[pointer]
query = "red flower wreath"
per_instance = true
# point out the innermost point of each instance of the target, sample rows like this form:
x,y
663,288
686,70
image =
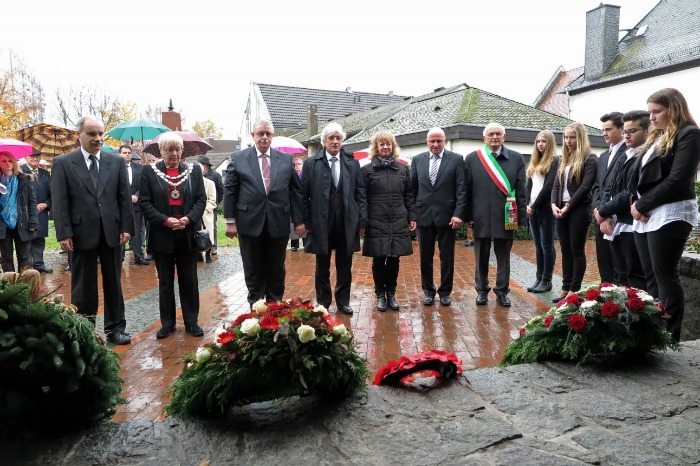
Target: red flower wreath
x,y
441,364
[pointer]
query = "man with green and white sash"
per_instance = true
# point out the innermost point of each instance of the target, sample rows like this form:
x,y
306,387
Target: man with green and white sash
x,y
495,179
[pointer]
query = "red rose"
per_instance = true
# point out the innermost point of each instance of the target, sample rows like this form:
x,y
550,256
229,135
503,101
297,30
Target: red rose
x,y
635,305
578,323
560,303
523,331
548,321
239,320
226,337
592,295
605,284
609,309
574,299
631,293
270,323
661,306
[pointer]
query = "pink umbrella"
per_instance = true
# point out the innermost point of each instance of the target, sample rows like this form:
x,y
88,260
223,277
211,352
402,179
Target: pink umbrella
x,y
192,145
288,145
18,149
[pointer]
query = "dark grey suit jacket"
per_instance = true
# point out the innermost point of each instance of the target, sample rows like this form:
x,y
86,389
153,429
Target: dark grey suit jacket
x,y
438,204
42,191
245,199
79,207
604,175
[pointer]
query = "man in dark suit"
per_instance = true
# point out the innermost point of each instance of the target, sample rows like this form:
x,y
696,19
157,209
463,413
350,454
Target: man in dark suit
x,y
93,218
437,178
133,171
612,133
211,174
496,207
262,193
335,215
41,184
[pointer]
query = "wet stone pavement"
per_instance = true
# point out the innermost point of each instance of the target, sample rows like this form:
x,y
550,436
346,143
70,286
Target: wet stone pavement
x,y
606,412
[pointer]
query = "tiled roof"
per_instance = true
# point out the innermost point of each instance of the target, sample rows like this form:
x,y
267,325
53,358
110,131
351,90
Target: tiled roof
x,y
288,105
457,105
671,39
551,99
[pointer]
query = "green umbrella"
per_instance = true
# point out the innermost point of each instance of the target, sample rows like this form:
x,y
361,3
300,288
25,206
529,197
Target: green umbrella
x,y
143,130
108,149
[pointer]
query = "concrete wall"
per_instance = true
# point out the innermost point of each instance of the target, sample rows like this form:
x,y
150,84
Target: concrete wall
x,y
690,276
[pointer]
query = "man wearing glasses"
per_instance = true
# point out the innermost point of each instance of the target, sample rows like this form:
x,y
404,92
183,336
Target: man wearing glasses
x,y
262,193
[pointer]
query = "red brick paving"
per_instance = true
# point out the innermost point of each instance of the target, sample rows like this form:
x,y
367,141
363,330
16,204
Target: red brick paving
x,y
477,335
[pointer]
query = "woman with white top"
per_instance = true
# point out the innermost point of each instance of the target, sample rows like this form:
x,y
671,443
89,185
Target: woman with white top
x,y
541,173
664,204
571,205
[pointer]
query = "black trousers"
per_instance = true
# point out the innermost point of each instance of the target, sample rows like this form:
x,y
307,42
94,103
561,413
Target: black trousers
x,y
263,265
604,257
628,267
185,261
660,252
8,245
573,231
385,272
482,253
343,269
426,245
84,293
38,245
137,240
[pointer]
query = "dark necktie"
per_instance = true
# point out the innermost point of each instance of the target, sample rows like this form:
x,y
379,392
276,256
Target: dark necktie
x,y
93,169
266,172
334,170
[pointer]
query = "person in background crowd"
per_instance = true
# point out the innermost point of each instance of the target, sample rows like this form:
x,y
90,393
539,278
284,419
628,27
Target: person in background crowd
x,y
151,159
93,216
391,215
293,237
134,175
437,181
136,159
262,193
613,212
541,173
664,204
173,200
495,208
335,215
18,215
612,127
571,204
209,214
213,175
41,184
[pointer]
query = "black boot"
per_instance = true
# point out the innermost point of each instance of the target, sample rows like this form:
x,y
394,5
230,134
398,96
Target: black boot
x,y
542,287
391,299
381,302
534,285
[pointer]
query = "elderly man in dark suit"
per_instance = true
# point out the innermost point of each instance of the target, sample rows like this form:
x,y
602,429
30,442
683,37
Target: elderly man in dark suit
x,y
335,215
437,179
133,171
605,177
41,184
496,207
262,193
93,218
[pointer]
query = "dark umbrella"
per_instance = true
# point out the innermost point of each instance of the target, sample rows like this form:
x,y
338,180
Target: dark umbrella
x,y
192,145
49,139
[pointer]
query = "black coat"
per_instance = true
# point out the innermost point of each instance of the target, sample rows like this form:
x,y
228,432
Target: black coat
x,y
543,200
615,200
26,211
316,183
580,191
155,204
42,192
390,208
605,175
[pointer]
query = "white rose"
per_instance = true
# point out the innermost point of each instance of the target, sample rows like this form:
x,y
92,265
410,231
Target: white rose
x,y
306,333
250,327
589,304
646,297
203,354
608,288
260,306
321,309
339,329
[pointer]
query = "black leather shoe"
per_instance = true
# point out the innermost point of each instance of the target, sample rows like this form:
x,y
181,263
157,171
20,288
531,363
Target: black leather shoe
x,y
482,299
119,338
194,330
347,310
392,302
534,285
503,300
445,301
43,269
164,332
542,287
141,261
381,302
207,257
428,300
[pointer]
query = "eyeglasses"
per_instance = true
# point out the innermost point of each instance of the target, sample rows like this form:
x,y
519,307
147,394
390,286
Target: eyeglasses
x,y
494,135
631,132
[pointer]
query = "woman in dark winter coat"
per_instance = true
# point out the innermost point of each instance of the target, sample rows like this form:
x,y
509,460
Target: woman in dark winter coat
x,y
391,212
19,219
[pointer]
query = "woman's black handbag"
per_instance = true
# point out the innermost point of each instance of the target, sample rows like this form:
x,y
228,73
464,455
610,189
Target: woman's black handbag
x,y
201,241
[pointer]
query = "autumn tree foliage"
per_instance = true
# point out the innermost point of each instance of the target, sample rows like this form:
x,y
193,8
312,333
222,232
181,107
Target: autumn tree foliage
x,y
207,129
16,111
